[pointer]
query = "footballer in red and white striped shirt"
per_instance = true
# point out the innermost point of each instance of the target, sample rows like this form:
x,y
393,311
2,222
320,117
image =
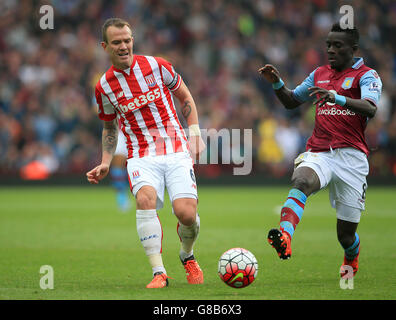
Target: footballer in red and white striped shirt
x,y
136,95
140,96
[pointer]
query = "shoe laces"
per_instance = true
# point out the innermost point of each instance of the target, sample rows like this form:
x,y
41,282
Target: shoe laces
x,y
192,266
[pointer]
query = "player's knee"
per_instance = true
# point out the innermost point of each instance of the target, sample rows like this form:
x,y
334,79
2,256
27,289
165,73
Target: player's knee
x,y
145,203
187,220
303,184
185,210
146,199
306,180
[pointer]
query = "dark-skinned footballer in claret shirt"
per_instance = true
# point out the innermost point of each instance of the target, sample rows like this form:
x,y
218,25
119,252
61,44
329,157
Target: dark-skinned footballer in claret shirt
x,y
345,93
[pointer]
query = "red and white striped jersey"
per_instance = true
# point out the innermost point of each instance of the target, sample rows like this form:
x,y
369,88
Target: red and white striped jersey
x,y
140,97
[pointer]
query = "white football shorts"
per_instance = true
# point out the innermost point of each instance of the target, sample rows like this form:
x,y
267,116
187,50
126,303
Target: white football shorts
x,y
121,148
344,171
174,171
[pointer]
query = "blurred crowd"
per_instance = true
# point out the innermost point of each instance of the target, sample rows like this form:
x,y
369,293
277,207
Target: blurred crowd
x,y
48,115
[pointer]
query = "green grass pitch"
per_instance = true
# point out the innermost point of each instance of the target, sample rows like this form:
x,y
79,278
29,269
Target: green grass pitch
x,y
95,252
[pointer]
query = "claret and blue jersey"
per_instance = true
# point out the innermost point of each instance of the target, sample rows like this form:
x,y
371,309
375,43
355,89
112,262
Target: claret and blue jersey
x,y
337,126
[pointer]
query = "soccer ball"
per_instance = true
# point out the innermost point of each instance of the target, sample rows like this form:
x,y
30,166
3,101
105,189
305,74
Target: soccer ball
x,y
238,267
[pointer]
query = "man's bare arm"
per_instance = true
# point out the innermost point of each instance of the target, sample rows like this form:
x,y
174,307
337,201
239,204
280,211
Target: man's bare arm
x,y
284,94
109,144
109,140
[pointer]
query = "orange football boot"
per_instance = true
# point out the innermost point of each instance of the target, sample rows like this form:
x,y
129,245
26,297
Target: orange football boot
x,y
353,263
160,280
281,242
193,271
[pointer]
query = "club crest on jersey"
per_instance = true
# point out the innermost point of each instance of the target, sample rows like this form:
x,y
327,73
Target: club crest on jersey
x,y
347,84
135,174
150,80
120,94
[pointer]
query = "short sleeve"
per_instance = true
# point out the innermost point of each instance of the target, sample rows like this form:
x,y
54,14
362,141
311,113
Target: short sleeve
x,y
301,92
106,110
170,77
370,87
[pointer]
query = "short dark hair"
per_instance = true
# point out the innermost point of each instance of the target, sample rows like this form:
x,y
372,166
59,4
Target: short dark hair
x,y
116,22
352,33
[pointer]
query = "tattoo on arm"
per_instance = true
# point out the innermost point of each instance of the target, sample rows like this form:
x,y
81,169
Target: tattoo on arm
x,y
186,109
110,137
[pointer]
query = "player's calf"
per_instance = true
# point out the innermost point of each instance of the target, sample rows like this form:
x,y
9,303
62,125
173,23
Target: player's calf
x,y
351,257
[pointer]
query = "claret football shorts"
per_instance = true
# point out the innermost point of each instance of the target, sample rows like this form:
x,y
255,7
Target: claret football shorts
x,y
344,171
173,171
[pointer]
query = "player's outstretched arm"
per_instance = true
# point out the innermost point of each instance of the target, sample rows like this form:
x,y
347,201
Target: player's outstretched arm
x,y
109,144
285,95
190,113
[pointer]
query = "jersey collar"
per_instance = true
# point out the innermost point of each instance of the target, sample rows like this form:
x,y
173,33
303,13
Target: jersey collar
x,y
358,62
127,70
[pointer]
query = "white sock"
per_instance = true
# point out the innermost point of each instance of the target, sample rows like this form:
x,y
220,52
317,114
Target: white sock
x,y
150,234
188,235
156,263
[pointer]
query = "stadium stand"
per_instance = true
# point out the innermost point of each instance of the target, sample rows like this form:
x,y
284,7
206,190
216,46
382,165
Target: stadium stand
x,y
47,77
